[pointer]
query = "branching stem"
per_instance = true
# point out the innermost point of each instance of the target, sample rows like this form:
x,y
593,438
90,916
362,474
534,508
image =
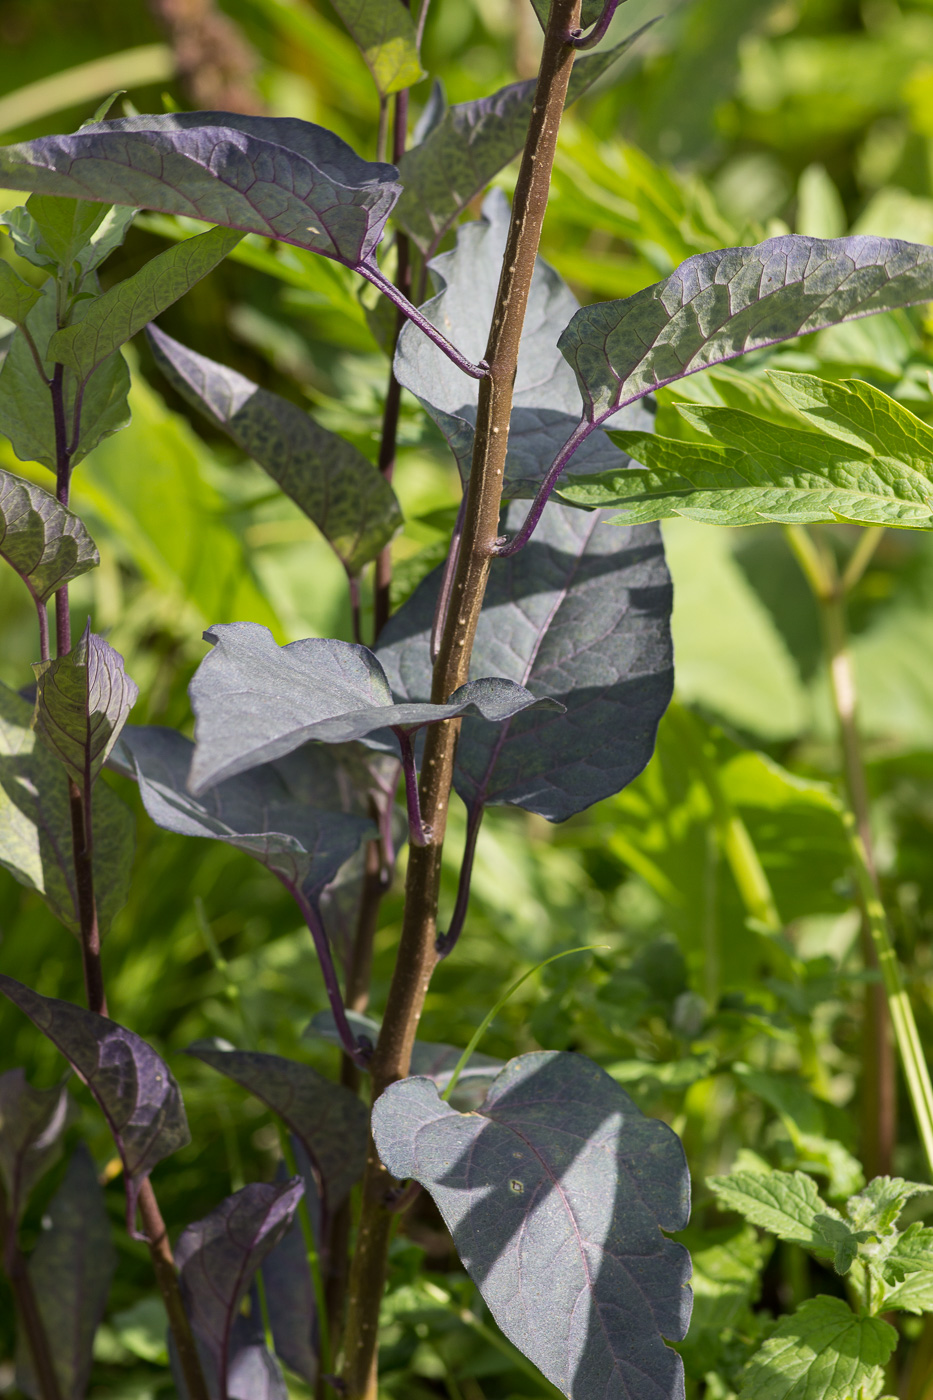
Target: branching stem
x,y
377,277
312,918
598,32
504,546
419,832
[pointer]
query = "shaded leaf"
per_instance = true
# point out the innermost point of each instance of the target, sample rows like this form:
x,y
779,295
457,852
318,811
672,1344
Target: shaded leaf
x,y
909,1266
35,823
823,1352
471,143
32,1122
558,1165
256,701
70,1271
290,1300
117,315
47,231
289,816
17,298
385,33
581,614
274,176
331,1123
82,701
350,502
133,1086
590,11
546,405
719,305
41,539
217,1259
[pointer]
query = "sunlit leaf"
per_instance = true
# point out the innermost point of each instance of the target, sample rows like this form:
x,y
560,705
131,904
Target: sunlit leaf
x,y
822,1352
385,33
82,701
909,1267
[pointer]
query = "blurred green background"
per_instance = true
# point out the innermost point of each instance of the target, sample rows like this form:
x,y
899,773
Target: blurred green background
x,y
728,122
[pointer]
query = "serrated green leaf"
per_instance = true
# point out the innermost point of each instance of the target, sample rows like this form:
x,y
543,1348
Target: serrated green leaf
x,y
789,1205
909,1266
17,298
82,701
43,541
877,1206
35,823
115,317
384,31
823,1352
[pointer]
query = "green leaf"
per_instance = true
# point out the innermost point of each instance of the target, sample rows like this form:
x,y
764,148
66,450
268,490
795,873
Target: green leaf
x,y
789,1205
879,1204
385,33
727,1267
823,1352
82,701
35,823
37,235
589,14
909,1265
64,226
43,541
17,298
115,317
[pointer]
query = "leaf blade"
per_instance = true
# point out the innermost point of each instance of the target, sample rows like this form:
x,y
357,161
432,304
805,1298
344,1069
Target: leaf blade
x,y
823,1352
43,541
82,701
384,31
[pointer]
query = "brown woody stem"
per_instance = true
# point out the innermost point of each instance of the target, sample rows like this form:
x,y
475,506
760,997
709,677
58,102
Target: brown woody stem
x,y
417,955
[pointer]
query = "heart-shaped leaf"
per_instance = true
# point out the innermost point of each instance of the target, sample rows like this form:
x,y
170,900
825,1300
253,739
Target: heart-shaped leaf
x,y
331,1123
43,541
546,405
350,502
579,614
117,315
717,306
559,1165
17,298
217,1259
32,1123
133,1086
256,701
70,1271
35,823
274,176
471,143
287,815
385,33
82,701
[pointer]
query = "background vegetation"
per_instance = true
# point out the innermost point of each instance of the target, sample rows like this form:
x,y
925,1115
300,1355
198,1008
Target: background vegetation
x,y
728,123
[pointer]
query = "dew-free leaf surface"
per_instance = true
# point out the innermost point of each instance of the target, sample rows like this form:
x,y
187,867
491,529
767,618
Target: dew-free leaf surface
x,y
41,539
32,1122
909,1266
789,1205
556,1191
17,298
822,1352
350,502
385,34
82,701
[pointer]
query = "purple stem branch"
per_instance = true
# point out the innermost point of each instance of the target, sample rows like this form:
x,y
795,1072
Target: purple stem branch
x,y
312,918
505,546
579,40
446,942
419,833
353,587
374,275
447,582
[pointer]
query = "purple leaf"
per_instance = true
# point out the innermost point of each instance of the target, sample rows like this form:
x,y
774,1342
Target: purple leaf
x,y
40,539
256,701
70,1270
350,502
253,1373
583,614
133,1086
330,1122
82,701
290,1301
32,1123
217,1259
717,306
274,176
287,815
556,1192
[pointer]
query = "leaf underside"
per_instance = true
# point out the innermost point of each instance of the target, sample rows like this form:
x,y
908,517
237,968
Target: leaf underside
x,y
41,539
32,1122
82,701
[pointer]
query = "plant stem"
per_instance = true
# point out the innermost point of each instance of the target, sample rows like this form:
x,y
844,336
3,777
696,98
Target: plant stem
x,y
62,486
82,842
598,32
322,947
163,1264
27,1307
504,547
417,954
446,942
418,830
374,274
447,582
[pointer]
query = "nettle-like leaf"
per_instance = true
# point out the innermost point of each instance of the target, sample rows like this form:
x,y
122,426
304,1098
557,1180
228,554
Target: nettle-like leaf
x,y
66,232
879,1204
17,298
582,614
824,1351
331,1123
385,33
43,541
32,1124
717,306
274,176
256,701
350,502
908,1266
556,1191
70,1270
868,461
133,1086
35,823
546,405
217,1259
789,1205
290,816
471,143
82,701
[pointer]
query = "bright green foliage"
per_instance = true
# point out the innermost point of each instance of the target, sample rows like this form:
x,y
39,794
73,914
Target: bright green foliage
x,y
73,234
17,298
909,1267
823,1352
385,33
789,1206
